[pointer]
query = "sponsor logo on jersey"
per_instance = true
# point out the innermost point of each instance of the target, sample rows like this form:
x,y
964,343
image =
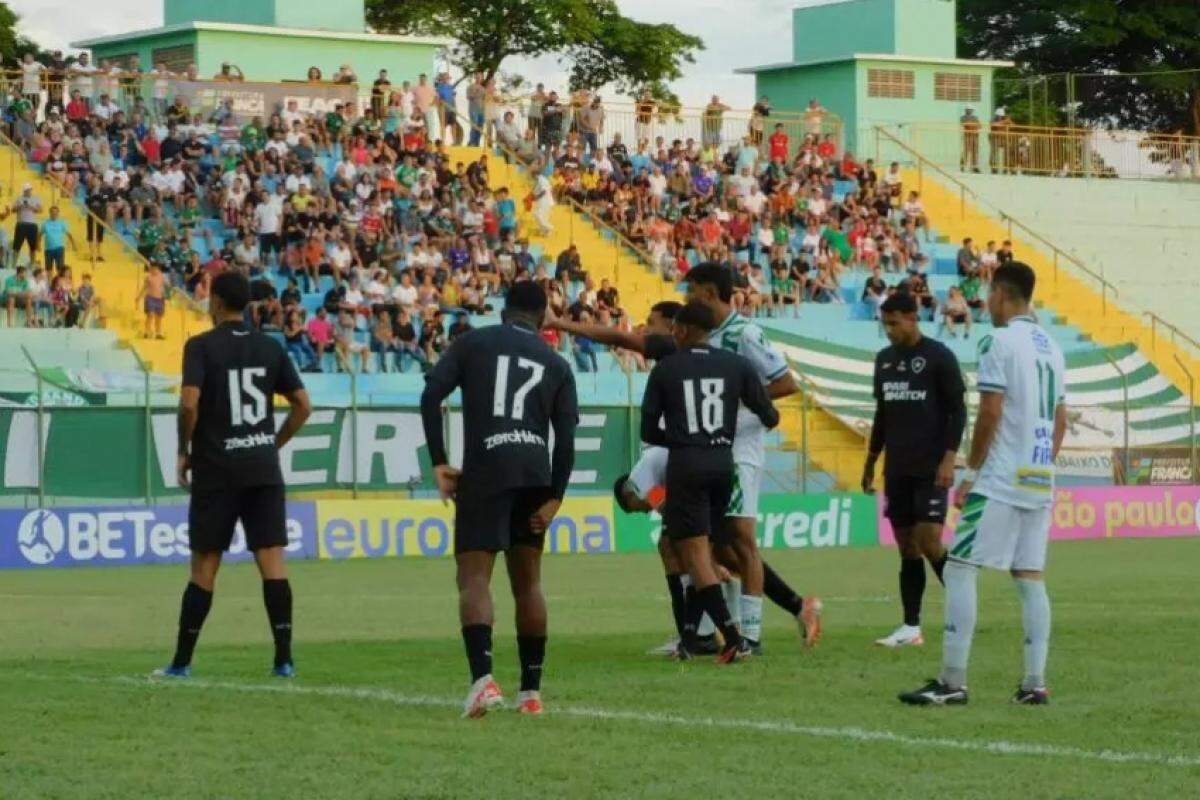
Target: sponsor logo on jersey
x,y
985,344
1035,480
513,437
899,391
249,442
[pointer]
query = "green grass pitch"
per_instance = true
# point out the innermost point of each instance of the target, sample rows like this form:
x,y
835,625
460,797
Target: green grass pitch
x,y
374,713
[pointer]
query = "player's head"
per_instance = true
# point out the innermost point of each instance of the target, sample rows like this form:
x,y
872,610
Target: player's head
x,y
693,324
627,497
710,283
526,302
1011,292
230,296
662,317
899,314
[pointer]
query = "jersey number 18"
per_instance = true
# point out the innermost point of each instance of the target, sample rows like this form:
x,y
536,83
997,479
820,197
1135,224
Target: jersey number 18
x,y
712,409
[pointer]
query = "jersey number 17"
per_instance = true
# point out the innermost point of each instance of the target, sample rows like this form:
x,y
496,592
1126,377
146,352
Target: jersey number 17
x,y
500,405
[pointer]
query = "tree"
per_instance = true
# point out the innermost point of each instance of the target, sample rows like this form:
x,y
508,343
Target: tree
x,y
600,45
14,46
1095,38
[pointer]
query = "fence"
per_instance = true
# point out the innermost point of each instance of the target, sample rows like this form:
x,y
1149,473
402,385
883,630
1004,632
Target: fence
x,y
1059,152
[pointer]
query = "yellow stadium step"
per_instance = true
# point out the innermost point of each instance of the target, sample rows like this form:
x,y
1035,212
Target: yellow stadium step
x,y
117,278
1081,302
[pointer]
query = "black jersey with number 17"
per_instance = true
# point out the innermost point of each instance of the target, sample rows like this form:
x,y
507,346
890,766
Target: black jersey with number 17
x,y
514,389
238,372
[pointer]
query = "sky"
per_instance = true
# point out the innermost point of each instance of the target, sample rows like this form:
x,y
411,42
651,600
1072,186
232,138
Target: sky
x,y
760,33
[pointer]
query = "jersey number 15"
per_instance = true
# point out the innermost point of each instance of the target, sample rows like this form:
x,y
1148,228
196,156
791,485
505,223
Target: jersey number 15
x,y
247,403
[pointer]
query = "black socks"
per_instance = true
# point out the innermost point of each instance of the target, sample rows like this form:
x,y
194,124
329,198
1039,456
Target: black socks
x,y
912,588
712,601
692,612
478,640
192,612
938,567
277,597
779,593
678,605
532,651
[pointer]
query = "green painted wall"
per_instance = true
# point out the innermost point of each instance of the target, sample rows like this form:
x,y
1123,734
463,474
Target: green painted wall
x,y
144,47
839,30
791,89
333,15
273,58
922,107
924,28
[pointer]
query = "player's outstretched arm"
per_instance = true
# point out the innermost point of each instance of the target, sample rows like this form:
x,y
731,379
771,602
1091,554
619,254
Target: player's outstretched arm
x,y
609,337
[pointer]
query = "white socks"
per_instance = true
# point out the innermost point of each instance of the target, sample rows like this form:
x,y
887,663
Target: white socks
x,y
751,617
732,590
1035,615
960,622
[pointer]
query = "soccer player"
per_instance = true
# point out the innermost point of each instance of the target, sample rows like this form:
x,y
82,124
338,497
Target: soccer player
x,y
229,459
641,489
695,395
920,414
514,388
1007,491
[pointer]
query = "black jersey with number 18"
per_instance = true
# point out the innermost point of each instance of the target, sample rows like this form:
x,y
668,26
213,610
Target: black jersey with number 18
x,y
238,372
514,388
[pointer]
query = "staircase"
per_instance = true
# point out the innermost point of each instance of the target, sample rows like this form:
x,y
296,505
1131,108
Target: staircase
x,y
117,278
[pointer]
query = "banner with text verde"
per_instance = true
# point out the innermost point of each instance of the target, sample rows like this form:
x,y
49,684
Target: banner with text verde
x,y
1104,512
377,449
90,536
785,521
378,528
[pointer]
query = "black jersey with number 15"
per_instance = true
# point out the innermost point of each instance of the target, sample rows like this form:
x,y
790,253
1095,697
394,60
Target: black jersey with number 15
x,y
514,388
238,372
696,392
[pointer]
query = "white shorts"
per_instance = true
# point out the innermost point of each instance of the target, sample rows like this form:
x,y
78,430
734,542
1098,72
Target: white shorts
x,y
994,534
651,471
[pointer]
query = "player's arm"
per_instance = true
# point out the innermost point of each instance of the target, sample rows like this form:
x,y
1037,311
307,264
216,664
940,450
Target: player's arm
x,y
564,418
440,383
299,406
878,436
189,409
772,367
993,382
954,397
652,410
609,337
754,397
1060,426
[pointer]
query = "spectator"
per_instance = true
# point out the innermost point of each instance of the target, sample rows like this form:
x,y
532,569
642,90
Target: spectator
x,y
297,341
55,236
17,293
321,333
968,260
956,312
154,301
26,207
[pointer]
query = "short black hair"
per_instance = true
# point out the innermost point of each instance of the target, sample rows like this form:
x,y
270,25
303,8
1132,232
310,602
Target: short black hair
x,y
619,493
526,297
667,309
1016,277
713,274
233,289
901,302
696,315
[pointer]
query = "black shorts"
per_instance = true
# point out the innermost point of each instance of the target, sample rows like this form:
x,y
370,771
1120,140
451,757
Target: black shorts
x,y
699,484
499,520
95,231
213,515
915,500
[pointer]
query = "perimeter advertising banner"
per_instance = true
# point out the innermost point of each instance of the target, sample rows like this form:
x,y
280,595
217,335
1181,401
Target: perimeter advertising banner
x,y
1103,512
785,521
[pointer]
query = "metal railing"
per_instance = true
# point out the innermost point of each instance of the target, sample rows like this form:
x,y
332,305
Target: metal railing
x,y
1061,152
1108,291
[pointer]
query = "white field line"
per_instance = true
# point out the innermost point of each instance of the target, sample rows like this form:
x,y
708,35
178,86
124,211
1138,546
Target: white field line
x,y
853,734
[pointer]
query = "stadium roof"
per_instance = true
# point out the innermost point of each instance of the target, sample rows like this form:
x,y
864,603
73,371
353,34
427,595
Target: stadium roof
x,y
266,30
959,62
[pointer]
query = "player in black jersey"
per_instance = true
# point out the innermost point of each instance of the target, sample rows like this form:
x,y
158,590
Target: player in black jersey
x,y
229,459
638,491
690,406
514,389
920,414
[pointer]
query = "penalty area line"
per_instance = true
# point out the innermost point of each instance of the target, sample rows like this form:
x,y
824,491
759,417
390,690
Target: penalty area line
x,y
662,719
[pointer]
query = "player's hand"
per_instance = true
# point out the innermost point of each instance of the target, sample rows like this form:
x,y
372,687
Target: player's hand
x,y
964,489
447,477
541,519
945,474
183,470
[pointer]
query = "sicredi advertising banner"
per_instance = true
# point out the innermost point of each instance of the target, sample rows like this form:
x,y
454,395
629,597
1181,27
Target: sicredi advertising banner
x,y
785,521
96,536
1102,512
378,528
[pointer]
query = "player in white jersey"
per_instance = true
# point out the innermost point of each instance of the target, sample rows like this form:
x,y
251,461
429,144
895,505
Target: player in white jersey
x,y
1007,491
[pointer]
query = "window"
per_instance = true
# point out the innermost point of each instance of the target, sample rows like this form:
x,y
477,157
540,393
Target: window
x,y
176,58
123,61
960,88
897,83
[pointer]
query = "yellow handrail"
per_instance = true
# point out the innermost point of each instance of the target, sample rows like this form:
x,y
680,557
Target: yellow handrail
x,y
1058,253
